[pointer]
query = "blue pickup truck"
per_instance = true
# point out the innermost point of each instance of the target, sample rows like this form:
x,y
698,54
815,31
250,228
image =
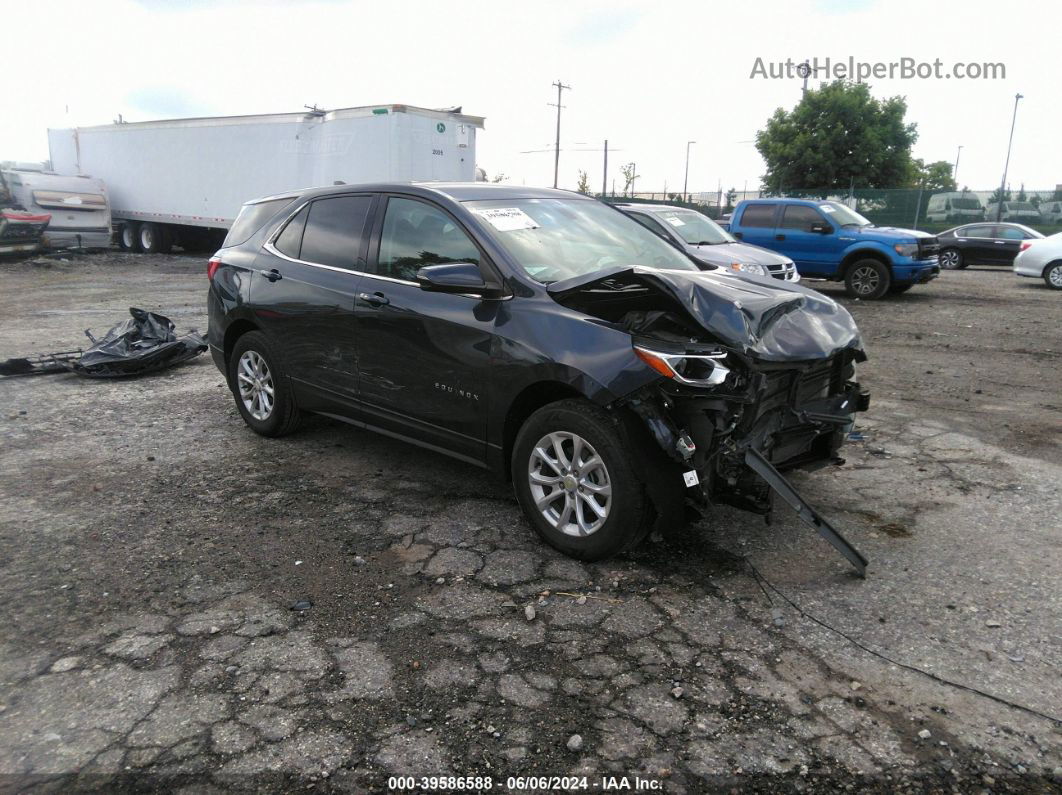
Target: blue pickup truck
x,y
828,240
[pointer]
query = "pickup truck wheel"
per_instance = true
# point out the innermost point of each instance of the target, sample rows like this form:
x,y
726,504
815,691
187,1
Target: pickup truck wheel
x,y
1053,275
573,476
951,259
129,237
868,279
262,391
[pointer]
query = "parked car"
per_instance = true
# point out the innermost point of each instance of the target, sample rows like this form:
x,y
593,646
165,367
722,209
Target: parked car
x,y
539,333
1051,212
828,240
954,206
703,239
985,244
80,212
1014,211
1041,259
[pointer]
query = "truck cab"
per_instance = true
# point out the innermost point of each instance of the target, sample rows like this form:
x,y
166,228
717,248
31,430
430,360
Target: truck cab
x,y
828,240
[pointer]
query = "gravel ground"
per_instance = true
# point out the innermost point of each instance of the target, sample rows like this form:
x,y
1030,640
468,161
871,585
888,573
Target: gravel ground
x,y
154,552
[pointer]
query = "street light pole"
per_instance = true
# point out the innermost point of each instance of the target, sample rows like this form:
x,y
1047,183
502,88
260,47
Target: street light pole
x,y
955,171
686,179
1006,166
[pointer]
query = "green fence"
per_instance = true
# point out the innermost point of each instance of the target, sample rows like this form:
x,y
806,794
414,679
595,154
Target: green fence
x,y
910,208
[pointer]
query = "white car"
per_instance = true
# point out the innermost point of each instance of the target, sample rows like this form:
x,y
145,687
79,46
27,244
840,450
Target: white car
x,y
1041,259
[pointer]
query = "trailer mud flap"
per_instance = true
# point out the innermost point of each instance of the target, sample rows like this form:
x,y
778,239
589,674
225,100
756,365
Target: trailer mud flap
x,y
762,467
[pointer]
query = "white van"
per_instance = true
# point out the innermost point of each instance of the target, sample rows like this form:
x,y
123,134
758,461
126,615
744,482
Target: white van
x,y
81,214
1017,212
1051,211
956,206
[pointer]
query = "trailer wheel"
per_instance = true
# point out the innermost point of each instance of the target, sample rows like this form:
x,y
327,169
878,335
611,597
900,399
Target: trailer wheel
x,y
129,237
151,238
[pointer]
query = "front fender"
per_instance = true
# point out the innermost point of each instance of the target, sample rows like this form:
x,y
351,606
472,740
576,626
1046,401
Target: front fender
x,y
864,248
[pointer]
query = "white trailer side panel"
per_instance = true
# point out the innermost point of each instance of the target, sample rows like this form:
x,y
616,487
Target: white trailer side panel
x,y
200,171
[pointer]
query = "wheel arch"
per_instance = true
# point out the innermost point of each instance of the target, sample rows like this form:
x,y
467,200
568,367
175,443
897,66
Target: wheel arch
x,y
853,257
1048,266
529,400
235,330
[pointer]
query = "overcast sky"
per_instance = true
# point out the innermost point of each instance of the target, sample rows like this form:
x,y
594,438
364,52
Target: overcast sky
x,y
648,76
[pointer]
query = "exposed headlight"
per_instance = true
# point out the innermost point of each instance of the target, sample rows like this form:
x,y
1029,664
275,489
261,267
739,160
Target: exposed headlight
x,y
906,249
692,369
749,267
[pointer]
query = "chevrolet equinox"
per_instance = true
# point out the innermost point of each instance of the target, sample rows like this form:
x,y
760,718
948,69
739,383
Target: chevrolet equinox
x,y
541,334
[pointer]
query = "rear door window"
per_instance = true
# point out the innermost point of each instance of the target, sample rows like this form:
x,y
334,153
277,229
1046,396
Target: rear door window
x,y
252,217
761,215
978,231
797,216
335,231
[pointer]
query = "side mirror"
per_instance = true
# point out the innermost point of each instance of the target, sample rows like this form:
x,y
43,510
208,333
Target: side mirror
x,y
822,229
461,278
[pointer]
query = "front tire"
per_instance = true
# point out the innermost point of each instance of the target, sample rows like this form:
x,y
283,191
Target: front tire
x,y
572,474
951,259
1053,275
260,387
868,279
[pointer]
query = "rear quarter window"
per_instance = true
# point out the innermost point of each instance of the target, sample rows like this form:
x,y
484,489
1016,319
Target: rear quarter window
x,y
251,218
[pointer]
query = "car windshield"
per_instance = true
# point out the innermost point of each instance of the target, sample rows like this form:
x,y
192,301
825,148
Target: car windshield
x,y
694,228
966,204
557,239
1020,206
845,216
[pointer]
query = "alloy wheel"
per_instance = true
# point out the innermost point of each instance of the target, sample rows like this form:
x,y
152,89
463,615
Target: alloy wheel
x,y
1055,276
256,385
949,259
569,483
865,280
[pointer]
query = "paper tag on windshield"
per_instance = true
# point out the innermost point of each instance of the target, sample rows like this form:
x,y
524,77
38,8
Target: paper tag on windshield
x,y
676,221
506,219
827,208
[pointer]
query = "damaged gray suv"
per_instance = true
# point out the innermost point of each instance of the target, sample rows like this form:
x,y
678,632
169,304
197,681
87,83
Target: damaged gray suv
x,y
541,334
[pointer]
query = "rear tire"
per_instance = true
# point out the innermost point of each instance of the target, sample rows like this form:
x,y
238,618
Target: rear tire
x,y
868,279
559,489
951,259
152,238
1053,275
262,390
129,237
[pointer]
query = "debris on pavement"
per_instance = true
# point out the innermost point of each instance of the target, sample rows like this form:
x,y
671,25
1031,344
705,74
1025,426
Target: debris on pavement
x,y
144,343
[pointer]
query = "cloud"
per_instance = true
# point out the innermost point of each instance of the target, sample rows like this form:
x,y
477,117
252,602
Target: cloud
x,y
166,102
604,26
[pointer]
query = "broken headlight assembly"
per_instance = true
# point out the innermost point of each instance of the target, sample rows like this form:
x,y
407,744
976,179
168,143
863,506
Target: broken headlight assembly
x,y
692,369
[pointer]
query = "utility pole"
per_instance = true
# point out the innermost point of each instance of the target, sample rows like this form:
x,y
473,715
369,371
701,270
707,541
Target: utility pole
x,y
1006,166
804,70
686,179
604,173
955,171
556,149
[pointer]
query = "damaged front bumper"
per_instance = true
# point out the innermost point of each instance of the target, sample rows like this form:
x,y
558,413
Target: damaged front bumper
x,y
731,438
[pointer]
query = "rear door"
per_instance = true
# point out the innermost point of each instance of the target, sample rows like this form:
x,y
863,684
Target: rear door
x,y
423,357
303,295
756,225
1006,243
978,243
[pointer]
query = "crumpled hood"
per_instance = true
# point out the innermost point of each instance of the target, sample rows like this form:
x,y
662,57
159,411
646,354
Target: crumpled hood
x,y
725,253
767,319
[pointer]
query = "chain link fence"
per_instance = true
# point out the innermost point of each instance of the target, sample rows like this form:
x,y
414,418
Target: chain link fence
x,y
910,208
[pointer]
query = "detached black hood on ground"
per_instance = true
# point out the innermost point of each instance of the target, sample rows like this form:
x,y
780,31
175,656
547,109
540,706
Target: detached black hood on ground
x,y
768,319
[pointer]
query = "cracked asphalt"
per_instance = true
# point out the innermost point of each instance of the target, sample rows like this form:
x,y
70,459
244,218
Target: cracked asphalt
x,y
188,607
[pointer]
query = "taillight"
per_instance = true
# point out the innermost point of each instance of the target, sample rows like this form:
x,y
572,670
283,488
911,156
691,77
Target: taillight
x,y
212,266
1025,245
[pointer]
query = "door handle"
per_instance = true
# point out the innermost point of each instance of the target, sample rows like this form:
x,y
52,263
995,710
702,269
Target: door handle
x,y
273,275
779,237
374,299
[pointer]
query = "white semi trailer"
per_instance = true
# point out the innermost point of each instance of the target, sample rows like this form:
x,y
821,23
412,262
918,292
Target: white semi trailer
x,y
183,181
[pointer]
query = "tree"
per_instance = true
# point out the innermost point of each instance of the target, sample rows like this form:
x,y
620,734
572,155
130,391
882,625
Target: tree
x,y
731,197
837,135
934,177
1022,195
628,176
995,196
584,183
